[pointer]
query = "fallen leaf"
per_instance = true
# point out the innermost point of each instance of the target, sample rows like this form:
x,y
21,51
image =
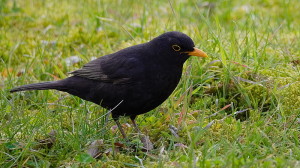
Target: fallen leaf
x,y
94,149
295,62
49,141
174,130
118,144
148,146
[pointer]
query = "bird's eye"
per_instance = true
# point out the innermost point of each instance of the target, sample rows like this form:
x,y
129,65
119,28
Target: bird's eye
x,y
176,47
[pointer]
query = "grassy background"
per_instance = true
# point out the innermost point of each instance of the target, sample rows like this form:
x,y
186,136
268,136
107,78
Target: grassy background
x,y
253,69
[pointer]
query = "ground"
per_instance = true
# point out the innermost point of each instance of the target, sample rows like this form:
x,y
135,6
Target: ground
x,y
238,108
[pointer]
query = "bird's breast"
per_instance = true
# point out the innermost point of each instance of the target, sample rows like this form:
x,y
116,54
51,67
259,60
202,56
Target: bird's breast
x,y
154,90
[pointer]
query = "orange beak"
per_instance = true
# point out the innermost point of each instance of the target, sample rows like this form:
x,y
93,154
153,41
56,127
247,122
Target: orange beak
x,y
197,52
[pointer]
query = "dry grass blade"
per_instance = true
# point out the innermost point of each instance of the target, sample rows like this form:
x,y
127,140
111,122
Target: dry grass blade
x,y
209,124
224,108
235,113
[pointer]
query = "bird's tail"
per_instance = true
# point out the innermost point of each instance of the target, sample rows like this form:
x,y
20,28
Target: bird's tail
x,y
39,86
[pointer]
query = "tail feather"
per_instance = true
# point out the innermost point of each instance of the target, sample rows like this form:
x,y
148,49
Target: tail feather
x,y
38,86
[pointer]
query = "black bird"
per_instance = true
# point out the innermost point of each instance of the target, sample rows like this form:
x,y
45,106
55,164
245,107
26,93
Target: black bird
x,y
131,81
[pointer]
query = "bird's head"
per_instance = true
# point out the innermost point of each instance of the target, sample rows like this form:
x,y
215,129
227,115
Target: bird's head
x,y
178,45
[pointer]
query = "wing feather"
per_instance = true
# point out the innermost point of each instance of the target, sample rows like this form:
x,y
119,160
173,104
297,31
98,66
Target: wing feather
x,y
110,69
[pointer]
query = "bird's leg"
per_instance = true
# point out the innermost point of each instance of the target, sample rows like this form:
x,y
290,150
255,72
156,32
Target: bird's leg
x,y
135,125
145,139
120,128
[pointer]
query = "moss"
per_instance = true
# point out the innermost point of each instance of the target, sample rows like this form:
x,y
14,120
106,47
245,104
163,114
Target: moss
x,y
118,161
290,97
285,80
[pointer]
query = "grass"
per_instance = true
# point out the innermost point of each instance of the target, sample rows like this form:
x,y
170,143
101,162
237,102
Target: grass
x,y
253,69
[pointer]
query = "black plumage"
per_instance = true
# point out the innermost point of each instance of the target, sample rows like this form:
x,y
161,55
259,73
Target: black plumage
x,y
134,80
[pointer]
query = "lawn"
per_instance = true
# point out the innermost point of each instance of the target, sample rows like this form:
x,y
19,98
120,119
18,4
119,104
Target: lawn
x,y
238,108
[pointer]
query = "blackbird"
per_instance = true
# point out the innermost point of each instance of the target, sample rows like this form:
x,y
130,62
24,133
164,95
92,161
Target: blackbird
x,y
131,81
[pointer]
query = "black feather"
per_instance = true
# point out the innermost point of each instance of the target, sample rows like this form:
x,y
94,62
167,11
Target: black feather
x,y
38,86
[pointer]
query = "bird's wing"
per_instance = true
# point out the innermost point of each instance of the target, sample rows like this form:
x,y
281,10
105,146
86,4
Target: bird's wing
x,y
110,69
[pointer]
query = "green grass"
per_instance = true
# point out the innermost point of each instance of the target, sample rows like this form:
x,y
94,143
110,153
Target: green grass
x,y
253,66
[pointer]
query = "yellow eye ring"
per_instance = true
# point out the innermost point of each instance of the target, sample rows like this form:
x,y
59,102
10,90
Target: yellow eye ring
x,y
176,47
